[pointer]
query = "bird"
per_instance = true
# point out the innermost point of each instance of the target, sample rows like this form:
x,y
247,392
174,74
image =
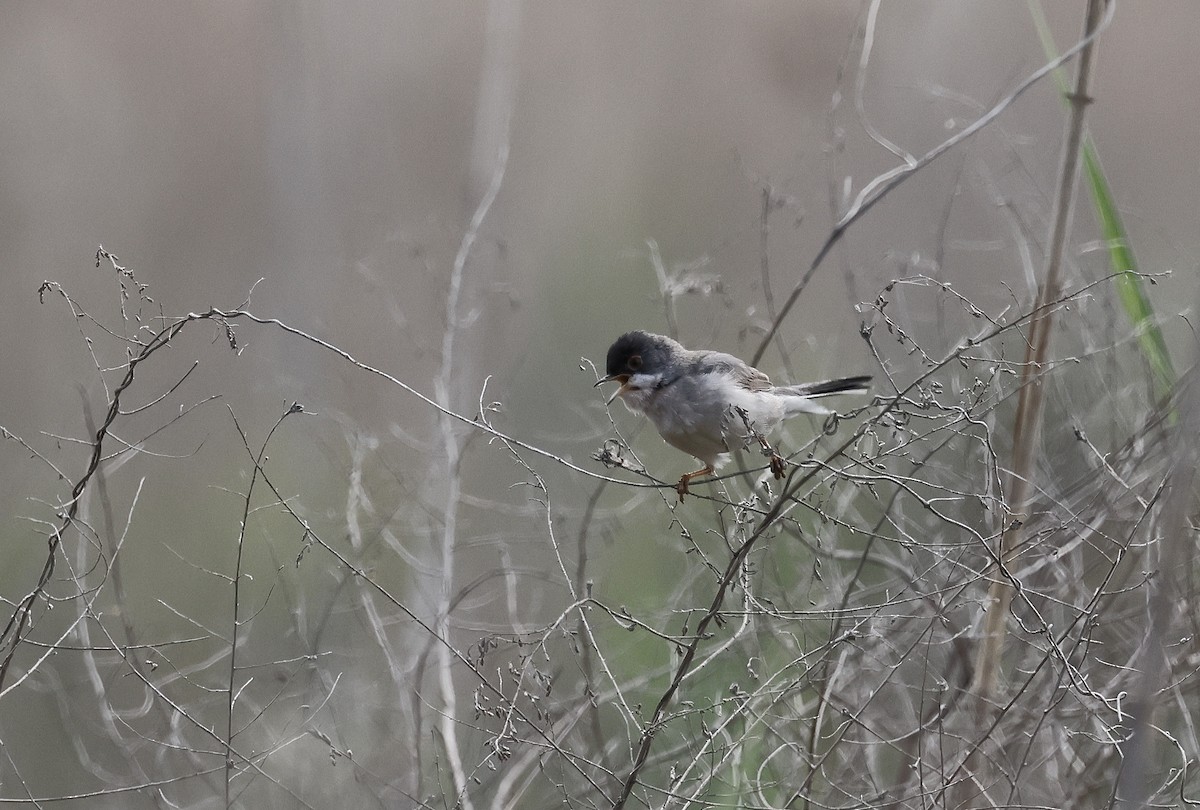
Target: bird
x,y
708,403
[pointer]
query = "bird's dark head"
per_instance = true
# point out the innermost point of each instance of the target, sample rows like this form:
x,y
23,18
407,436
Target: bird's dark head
x,y
639,353
642,363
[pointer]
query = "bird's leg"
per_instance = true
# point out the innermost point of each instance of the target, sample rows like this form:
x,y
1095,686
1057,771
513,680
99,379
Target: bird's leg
x,y
682,486
778,465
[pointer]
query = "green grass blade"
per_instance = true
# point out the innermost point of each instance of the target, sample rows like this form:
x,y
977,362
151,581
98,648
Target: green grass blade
x,y
1130,286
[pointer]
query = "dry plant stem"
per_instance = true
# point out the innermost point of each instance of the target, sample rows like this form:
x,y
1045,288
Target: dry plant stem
x,y
110,535
587,639
108,545
1133,789
685,664
1028,419
14,630
987,731
451,446
480,425
490,145
460,658
778,509
19,620
885,183
19,623
764,263
231,687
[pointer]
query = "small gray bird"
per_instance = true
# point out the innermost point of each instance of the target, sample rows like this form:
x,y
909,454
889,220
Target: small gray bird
x,y
709,403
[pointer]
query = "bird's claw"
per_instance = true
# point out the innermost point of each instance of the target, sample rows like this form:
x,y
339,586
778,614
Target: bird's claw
x,y
681,488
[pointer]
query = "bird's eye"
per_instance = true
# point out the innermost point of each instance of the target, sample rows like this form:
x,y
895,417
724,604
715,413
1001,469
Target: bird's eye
x,y
635,362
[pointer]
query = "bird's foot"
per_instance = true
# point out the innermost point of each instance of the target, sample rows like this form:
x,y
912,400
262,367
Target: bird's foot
x,y
778,464
682,487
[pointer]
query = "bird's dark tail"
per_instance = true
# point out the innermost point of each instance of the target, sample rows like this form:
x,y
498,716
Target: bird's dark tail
x,y
845,385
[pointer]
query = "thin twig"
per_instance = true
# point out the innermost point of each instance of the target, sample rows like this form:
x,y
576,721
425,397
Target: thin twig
x,y
887,182
1027,422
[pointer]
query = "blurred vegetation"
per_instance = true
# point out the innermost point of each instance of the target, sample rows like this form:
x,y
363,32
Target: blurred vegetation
x,y
318,560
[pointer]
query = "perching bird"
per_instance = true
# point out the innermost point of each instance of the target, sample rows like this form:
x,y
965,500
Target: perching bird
x,y
709,403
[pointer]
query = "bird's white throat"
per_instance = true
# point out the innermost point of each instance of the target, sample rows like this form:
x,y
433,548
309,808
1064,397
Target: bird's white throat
x,y
638,389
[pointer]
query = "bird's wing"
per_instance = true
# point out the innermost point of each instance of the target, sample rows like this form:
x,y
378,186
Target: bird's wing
x,y
744,375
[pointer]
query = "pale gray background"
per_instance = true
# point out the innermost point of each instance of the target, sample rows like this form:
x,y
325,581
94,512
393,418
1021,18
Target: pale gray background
x,y
326,148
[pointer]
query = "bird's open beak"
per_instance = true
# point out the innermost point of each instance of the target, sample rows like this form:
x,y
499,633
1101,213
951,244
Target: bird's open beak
x,y
623,379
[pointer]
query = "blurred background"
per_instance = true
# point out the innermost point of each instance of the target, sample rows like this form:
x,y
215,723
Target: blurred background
x,y
324,161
